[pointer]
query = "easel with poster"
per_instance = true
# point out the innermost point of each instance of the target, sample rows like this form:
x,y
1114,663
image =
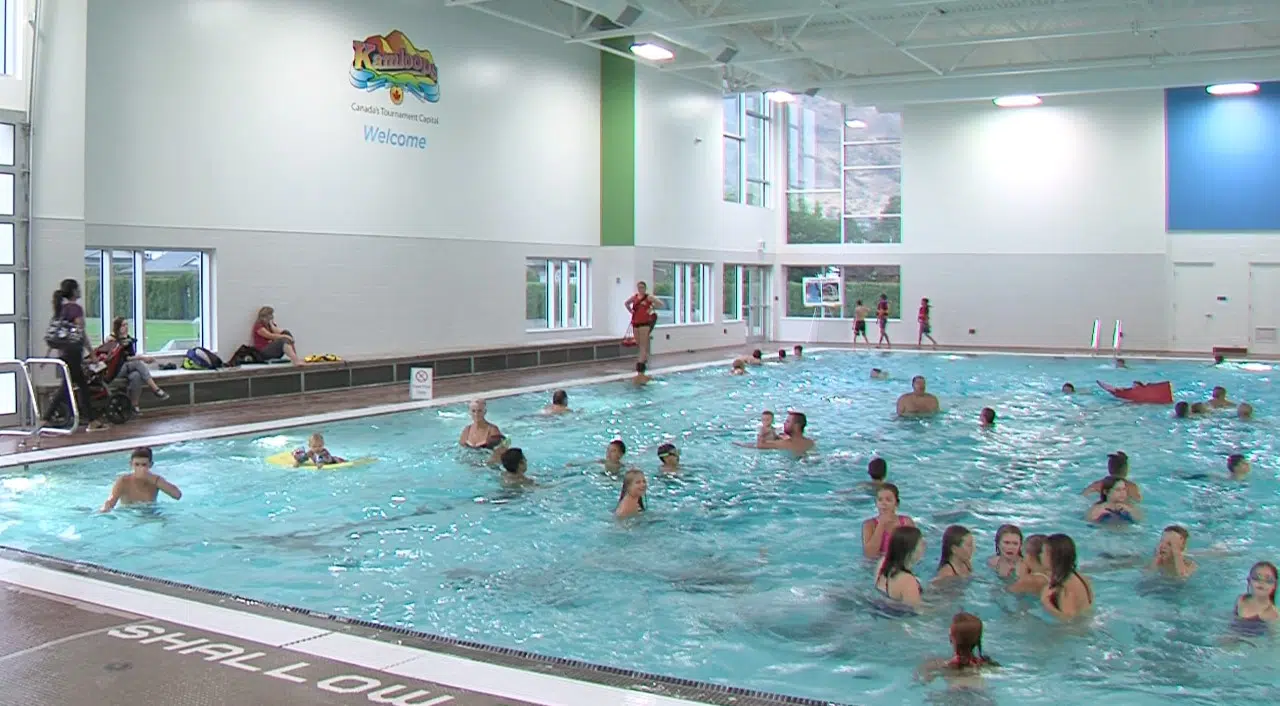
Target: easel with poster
x,y
822,294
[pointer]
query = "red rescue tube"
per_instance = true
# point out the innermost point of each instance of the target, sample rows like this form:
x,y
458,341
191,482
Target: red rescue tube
x,y
1151,393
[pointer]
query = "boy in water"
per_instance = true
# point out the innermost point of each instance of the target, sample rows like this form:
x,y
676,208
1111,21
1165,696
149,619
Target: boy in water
x,y
1171,553
140,485
515,464
315,453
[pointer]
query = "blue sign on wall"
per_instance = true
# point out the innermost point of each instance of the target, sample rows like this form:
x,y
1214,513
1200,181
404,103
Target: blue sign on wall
x,y
1222,160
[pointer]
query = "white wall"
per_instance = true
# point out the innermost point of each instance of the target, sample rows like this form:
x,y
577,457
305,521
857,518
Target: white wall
x,y
233,128
1242,270
15,87
1026,225
681,215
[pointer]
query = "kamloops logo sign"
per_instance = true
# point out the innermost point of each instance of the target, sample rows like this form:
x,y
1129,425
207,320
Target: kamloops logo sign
x,y
279,666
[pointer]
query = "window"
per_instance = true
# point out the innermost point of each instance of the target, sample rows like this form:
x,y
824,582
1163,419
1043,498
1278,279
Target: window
x,y
746,149
732,286
163,294
556,294
9,33
685,292
844,173
865,282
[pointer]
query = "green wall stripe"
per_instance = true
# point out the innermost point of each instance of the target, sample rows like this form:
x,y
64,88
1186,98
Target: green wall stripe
x,y
617,147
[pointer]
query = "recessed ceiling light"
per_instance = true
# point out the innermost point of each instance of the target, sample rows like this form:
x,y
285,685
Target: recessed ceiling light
x,y
1232,89
855,124
1017,101
652,52
779,97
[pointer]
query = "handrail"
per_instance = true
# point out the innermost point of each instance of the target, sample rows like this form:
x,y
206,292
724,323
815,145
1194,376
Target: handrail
x,y
37,424
1116,337
1097,335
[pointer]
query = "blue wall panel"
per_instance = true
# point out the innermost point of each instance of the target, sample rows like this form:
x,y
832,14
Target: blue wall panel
x,y
1223,160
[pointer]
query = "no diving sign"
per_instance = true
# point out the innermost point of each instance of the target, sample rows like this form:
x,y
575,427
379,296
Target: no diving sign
x,y
421,383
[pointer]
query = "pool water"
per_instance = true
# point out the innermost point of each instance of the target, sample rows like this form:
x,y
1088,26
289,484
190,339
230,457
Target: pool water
x,y
746,569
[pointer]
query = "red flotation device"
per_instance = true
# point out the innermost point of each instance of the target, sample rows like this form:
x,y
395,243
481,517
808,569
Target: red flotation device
x,y
1150,393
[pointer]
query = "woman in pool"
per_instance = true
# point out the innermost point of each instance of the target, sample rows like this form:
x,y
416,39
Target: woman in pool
x,y
966,641
1068,594
480,433
1008,551
1256,609
877,530
1117,467
957,554
631,501
1032,576
893,577
1113,504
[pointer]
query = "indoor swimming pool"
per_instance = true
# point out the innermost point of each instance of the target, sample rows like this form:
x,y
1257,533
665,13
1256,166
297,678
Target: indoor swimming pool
x,y
746,569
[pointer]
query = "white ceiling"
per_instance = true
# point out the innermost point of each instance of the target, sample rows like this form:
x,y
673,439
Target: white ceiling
x,y
895,52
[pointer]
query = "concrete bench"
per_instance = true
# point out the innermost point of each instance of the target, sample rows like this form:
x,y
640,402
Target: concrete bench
x,y
197,387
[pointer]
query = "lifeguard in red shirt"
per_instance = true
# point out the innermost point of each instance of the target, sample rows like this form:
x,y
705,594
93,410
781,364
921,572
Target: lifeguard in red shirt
x,y
644,315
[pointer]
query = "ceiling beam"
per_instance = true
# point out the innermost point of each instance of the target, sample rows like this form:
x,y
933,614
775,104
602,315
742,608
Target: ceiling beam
x,y
976,41
820,10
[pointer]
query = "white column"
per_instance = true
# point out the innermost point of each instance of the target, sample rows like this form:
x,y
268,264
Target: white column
x,y
58,155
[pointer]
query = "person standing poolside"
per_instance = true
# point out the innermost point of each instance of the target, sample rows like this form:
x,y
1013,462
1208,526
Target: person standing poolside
x,y
926,328
882,318
643,308
140,485
860,312
918,402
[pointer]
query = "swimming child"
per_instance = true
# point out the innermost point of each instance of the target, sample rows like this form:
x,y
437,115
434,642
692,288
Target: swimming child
x,y
963,668
140,485
1113,503
315,453
739,367
1171,553
669,457
767,431
631,501
514,465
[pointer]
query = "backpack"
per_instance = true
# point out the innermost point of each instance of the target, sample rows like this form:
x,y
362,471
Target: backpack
x,y
201,359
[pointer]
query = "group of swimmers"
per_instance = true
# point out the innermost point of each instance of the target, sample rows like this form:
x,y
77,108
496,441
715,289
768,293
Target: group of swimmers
x,y
1042,565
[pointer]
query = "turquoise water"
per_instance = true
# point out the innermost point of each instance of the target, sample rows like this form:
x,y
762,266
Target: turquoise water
x,y
746,569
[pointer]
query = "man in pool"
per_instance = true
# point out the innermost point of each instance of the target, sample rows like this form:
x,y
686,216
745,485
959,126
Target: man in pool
x,y
793,438
1219,399
559,403
917,403
140,485
612,461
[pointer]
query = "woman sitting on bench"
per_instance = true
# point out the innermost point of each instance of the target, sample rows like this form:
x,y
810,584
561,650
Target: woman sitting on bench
x,y
135,368
272,342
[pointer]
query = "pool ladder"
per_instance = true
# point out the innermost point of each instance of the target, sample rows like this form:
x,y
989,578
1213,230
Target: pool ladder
x,y
1117,336
31,425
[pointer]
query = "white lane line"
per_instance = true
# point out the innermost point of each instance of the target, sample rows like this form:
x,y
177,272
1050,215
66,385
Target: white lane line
x,y
69,638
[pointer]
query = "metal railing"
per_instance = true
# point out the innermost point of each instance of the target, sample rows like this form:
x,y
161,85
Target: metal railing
x,y
1117,337
33,426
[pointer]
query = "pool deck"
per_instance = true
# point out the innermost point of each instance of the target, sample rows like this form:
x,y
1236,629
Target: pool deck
x,y
76,634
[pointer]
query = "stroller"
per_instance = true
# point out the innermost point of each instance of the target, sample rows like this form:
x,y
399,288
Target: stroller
x,y
107,392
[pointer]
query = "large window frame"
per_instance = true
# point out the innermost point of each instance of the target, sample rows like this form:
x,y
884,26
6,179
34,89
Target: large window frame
x,y
827,193
112,265
691,300
563,307
747,128
732,291
14,223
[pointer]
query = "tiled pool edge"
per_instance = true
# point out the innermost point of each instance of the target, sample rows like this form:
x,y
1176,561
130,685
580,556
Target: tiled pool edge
x,y
94,449
662,690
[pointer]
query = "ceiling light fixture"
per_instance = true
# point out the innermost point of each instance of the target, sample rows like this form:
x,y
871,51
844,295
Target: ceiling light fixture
x,y
779,97
652,52
1017,101
1232,89
855,124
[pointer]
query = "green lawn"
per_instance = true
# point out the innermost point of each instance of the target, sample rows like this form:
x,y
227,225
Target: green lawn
x,y
158,332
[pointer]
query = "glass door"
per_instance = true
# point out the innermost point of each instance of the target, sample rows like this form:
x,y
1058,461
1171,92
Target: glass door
x,y
755,302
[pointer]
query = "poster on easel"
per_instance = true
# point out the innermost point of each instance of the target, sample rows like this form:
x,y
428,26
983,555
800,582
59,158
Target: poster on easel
x,y
823,292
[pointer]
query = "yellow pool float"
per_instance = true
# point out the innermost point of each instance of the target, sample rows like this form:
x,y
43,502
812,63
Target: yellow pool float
x,y
284,459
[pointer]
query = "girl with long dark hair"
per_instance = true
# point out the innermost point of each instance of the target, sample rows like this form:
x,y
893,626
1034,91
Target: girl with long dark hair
x,y
893,577
1068,594
957,554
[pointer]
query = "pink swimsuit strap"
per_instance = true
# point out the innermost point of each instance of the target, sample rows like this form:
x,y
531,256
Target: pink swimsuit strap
x,y
884,539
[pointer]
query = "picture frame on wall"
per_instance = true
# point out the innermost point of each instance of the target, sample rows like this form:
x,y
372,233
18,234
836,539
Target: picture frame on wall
x,y
823,292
